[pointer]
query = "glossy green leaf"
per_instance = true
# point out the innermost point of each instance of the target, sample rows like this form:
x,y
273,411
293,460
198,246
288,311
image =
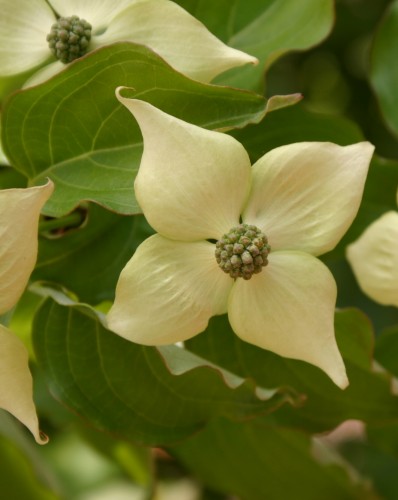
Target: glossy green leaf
x,y
266,29
152,396
94,253
255,461
384,70
368,397
73,130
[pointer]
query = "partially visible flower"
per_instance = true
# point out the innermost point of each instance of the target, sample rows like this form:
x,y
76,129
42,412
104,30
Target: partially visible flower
x,y
196,187
162,25
374,259
19,216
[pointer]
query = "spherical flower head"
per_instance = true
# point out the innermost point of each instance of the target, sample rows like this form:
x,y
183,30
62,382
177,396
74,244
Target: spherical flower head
x,y
196,188
69,38
31,31
242,252
19,217
374,259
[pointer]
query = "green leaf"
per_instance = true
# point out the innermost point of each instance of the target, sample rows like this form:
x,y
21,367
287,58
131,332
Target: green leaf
x,y
255,461
10,178
386,351
152,396
73,130
380,468
23,473
384,70
17,478
296,124
94,253
367,398
266,29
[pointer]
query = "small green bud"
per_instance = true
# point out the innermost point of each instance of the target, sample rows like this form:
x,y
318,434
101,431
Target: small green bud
x,y
243,251
69,38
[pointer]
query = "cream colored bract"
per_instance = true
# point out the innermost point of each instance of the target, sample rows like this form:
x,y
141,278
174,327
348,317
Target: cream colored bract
x,y
161,25
19,217
374,259
193,186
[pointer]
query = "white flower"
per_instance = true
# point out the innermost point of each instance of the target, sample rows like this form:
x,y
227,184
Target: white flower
x,y
19,216
374,259
193,186
162,25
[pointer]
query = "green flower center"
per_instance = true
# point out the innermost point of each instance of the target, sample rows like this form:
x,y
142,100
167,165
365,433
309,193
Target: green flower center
x,y
243,251
69,38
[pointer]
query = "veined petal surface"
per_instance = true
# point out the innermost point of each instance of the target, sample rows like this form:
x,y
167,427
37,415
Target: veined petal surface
x,y
97,12
168,292
288,308
19,218
24,25
16,392
374,260
192,183
305,195
169,30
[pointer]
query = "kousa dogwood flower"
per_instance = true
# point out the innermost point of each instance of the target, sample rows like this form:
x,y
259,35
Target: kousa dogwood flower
x,y
374,259
238,239
31,30
19,216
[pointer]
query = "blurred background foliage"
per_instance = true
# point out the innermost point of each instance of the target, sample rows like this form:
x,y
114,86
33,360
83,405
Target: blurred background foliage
x,y
80,463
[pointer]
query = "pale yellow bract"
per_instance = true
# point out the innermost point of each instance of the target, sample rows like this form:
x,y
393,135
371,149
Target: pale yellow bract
x,y
374,259
19,217
193,186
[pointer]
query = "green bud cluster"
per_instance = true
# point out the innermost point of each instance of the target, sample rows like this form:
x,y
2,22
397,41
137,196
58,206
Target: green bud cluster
x,y
243,251
69,38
